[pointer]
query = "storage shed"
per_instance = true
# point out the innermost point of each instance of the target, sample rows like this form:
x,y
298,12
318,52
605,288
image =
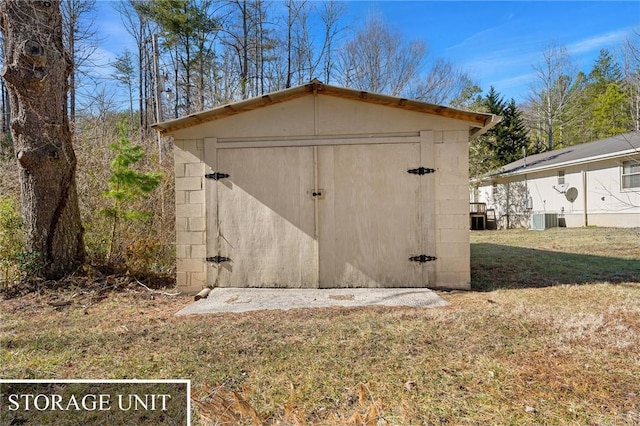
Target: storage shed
x,y
319,186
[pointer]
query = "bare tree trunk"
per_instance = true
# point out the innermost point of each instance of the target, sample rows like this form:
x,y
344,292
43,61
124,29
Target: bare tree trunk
x,y
136,26
71,40
289,39
245,50
79,44
330,15
36,71
555,74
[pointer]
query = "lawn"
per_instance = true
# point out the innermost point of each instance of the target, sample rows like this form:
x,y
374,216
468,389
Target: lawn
x,y
549,335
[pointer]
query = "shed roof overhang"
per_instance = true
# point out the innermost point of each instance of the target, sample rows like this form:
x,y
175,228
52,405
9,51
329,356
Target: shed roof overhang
x,y
479,123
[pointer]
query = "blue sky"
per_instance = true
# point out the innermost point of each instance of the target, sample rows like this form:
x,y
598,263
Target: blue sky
x,y
496,43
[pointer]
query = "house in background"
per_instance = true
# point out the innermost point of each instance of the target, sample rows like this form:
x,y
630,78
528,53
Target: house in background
x,y
592,184
321,186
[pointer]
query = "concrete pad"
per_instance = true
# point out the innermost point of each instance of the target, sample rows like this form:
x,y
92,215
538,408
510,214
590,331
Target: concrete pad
x,y
253,299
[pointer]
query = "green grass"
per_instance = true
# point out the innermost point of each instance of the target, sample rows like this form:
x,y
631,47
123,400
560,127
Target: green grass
x,y
535,344
523,258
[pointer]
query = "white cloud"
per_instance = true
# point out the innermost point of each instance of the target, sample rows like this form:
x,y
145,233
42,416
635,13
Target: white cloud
x,y
600,41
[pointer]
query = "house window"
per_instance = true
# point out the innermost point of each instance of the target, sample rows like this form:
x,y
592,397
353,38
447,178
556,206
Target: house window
x,y
561,177
494,189
631,174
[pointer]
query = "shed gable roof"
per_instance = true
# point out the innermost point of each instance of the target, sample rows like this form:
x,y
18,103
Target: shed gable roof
x,y
615,146
479,122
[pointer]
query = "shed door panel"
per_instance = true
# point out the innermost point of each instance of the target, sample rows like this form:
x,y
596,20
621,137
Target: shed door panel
x,y
266,218
369,217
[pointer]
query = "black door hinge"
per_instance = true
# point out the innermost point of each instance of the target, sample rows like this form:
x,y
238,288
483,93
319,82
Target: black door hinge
x,y
421,171
422,258
218,259
216,175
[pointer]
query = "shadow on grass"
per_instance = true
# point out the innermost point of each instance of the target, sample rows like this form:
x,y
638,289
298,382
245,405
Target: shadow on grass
x,y
496,266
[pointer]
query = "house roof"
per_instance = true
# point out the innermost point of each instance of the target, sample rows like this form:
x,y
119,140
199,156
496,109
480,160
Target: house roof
x,y
480,122
613,147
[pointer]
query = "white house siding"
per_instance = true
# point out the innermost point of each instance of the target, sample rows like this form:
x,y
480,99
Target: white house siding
x,y
607,204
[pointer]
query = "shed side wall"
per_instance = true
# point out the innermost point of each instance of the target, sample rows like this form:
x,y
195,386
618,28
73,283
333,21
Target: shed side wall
x,y
453,268
191,246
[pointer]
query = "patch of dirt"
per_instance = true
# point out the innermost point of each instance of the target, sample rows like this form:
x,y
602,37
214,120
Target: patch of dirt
x,y
86,287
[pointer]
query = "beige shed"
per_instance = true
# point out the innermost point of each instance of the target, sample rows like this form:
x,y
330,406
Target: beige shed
x,y
319,186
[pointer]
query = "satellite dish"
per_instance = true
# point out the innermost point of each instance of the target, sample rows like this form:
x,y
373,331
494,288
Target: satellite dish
x,y
571,194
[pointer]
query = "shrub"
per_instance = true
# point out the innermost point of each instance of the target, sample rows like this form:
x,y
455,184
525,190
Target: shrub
x,y
6,146
12,249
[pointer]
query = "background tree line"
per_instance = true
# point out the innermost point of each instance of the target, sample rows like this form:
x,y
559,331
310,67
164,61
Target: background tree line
x,y
192,55
564,107
213,52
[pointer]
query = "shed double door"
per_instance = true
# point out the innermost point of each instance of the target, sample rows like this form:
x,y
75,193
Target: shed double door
x,y
319,216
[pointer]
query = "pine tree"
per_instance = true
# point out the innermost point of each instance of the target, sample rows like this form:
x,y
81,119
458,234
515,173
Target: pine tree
x,y
513,135
503,143
608,105
579,129
605,71
186,30
494,102
611,115
124,73
126,185
482,154
510,136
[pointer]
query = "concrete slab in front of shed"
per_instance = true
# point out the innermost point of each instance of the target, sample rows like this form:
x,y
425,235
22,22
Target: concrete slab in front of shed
x,y
254,299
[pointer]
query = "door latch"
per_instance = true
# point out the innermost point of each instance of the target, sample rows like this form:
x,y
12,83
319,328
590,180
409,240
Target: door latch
x,y
317,194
